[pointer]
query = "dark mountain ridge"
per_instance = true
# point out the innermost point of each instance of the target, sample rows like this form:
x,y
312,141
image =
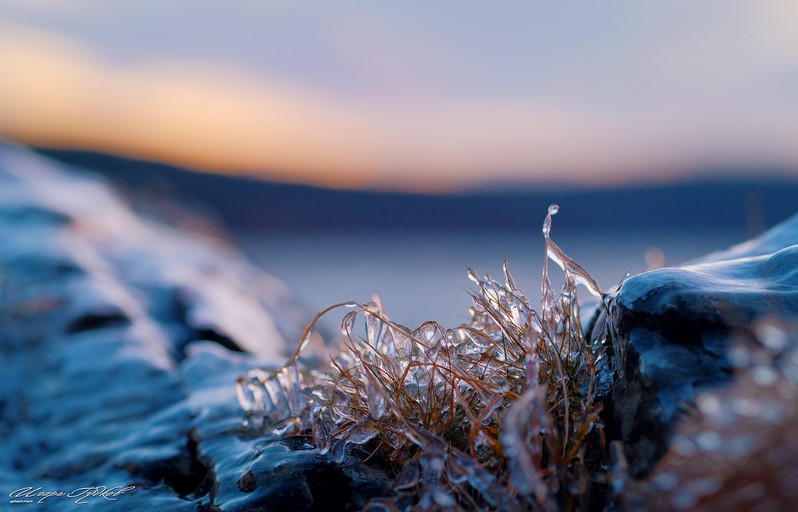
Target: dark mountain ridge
x,y
249,204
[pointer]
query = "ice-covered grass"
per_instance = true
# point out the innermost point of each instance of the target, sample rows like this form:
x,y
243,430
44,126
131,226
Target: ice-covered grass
x,y
500,413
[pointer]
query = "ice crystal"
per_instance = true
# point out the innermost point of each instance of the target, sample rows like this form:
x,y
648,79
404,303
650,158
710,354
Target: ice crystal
x,y
494,414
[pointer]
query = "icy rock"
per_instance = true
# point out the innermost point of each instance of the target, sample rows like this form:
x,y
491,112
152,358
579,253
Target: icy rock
x,y
676,326
738,451
120,341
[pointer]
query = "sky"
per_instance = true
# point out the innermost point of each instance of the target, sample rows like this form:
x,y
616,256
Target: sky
x,y
430,96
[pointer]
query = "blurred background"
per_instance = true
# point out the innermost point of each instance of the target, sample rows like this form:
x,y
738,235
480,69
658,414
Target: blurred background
x,y
355,148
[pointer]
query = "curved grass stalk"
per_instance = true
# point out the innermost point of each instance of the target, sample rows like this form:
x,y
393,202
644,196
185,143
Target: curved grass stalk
x,y
498,413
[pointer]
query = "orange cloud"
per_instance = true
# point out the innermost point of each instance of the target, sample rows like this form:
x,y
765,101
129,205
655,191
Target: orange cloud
x,y
55,91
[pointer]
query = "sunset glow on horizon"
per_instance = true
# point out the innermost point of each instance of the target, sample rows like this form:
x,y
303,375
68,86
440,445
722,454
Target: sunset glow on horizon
x,y
364,105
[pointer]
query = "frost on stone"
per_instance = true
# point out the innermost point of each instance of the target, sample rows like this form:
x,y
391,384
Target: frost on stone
x,y
499,413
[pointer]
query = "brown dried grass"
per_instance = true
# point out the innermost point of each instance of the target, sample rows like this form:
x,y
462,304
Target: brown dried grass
x,y
501,413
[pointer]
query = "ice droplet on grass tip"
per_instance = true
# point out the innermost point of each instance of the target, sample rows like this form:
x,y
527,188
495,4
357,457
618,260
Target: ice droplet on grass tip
x,y
361,434
553,209
284,427
426,333
404,346
387,345
321,436
245,394
419,375
442,497
348,323
252,393
478,342
373,327
518,314
473,277
338,451
306,339
376,400
411,472
573,270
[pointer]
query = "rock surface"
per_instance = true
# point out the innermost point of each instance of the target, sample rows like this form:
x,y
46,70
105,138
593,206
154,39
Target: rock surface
x,y
738,450
676,326
120,341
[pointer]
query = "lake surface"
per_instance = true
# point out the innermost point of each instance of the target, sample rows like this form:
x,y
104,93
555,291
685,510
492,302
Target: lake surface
x,y
421,276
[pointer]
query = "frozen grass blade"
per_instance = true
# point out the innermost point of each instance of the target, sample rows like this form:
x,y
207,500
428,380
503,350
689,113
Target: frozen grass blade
x,y
498,414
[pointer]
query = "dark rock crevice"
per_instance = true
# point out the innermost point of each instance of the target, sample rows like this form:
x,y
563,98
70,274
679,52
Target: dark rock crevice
x,y
97,320
209,334
190,474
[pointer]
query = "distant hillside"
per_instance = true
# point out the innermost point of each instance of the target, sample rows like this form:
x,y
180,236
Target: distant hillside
x,y
249,204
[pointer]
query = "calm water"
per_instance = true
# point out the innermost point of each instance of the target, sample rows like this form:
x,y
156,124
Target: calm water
x,y
422,276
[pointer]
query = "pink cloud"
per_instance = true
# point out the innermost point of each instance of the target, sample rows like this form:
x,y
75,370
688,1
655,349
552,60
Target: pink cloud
x,y
226,118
